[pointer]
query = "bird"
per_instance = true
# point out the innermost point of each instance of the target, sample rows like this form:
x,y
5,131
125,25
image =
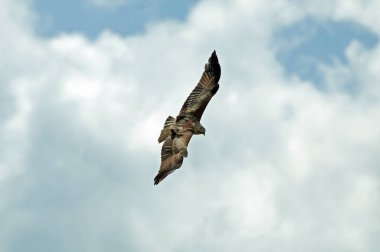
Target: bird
x,y
177,132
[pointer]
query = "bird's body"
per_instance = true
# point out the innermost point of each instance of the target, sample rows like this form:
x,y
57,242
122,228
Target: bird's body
x,y
178,131
180,125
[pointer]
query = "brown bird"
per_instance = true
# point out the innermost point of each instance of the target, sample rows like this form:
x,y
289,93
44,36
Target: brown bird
x,y
177,132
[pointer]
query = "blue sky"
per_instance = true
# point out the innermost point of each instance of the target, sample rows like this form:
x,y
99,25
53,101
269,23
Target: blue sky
x,y
126,18
322,41
290,159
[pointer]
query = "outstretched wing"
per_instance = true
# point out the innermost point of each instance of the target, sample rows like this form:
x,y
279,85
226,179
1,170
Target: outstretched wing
x,y
172,153
168,166
206,88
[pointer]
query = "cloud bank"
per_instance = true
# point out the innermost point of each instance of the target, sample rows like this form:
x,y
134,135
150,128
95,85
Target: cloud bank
x,y
285,165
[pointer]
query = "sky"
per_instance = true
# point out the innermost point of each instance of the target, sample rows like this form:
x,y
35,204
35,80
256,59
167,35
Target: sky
x,y
290,159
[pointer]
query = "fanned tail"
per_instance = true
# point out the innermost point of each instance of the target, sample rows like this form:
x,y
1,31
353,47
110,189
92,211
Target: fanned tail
x,y
166,130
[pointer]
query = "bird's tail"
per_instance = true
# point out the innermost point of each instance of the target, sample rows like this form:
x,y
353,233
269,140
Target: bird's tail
x,y
170,121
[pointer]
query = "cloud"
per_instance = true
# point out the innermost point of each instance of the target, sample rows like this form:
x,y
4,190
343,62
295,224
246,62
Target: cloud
x,y
284,164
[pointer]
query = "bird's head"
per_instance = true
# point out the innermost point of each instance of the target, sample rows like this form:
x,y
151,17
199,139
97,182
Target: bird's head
x,y
199,129
203,131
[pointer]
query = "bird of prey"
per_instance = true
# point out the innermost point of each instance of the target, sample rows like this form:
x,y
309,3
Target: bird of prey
x,y
178,131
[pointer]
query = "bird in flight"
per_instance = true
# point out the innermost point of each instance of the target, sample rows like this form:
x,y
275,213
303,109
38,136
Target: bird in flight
x,y
178,131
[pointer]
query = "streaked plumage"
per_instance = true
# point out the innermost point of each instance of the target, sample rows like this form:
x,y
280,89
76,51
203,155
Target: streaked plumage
x,y
172,153
168,126
177,132
206,88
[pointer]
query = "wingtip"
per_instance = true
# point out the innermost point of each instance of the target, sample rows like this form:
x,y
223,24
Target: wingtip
x,y
213,57
213,54
214,65
158,178
156,181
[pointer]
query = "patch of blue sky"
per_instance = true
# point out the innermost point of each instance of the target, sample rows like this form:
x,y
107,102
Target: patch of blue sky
x,y
308,43
131,17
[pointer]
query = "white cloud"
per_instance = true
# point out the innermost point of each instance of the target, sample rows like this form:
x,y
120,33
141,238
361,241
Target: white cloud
x,y
284,164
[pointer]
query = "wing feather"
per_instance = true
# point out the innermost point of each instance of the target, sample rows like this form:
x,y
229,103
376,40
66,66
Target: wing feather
x,y
206,88
168,166
172,153
170,121
167,149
